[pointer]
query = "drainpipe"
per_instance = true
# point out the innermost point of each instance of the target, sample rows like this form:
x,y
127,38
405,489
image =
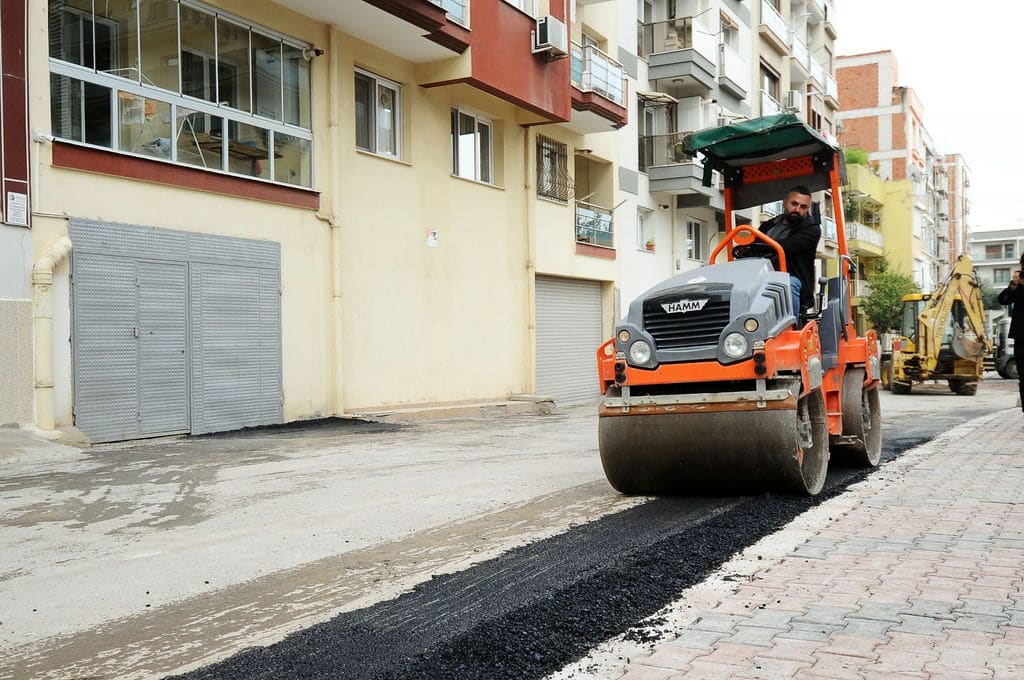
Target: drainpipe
x,y
42,322
337,247
531,269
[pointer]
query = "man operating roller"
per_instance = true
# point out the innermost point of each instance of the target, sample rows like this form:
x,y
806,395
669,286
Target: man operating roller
x,y
797,232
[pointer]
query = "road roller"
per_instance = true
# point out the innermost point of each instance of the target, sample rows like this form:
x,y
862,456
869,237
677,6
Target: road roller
x,y
712,382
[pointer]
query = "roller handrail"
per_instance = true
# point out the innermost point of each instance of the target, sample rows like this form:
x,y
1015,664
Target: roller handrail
x,y
754,235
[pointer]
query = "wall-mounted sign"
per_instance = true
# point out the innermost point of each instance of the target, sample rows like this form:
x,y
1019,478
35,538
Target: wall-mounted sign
x,y
17,209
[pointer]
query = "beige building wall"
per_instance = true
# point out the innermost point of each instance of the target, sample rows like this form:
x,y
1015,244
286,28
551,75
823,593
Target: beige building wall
x,y
303,234
16,361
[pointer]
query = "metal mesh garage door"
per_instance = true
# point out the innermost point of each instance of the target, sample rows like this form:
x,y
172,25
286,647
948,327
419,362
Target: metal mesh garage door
x,y
173,331
569,331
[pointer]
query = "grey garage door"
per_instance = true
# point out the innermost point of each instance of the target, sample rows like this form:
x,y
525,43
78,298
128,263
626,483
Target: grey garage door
x,y
173,332
569,331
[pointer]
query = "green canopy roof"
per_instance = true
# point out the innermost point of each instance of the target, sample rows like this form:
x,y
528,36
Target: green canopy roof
x,y
729,148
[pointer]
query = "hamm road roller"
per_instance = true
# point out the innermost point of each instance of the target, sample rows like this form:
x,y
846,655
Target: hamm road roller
x,y
713,383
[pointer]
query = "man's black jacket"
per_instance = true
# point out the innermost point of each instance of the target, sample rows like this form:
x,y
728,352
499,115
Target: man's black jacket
x,y
800,243
1014,296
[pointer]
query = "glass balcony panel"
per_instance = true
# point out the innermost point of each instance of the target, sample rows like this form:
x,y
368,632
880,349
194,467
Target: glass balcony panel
x,y
594,71
771,18
594,225
456,9
769,105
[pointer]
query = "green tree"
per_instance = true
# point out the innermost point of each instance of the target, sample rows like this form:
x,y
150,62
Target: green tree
x,y
989,293
884,305
856,156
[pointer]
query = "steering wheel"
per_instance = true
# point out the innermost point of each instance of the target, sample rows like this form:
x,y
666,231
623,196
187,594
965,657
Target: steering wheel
x,y
756,249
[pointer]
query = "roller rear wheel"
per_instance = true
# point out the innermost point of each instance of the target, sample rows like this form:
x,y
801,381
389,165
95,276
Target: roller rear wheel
x,y
862,418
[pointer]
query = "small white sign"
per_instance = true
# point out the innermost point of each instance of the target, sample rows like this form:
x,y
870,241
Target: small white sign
x,y
17,209
431,238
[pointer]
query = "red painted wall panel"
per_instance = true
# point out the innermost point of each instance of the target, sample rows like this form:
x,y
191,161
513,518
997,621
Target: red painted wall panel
x,y
504,65
14,137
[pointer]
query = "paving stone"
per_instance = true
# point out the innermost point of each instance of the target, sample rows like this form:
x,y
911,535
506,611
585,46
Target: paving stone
x,y
753,635
810,631
699,639
921,625
932,608
771,618
722,623
867,628
882,612
702,670
825,614
732,654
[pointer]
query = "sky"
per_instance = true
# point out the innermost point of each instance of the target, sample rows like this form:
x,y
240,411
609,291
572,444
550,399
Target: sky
x,y
964,61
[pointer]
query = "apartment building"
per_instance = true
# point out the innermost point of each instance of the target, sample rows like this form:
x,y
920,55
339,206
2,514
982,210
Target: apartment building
x,y
926,206
996,254
231,214
703,63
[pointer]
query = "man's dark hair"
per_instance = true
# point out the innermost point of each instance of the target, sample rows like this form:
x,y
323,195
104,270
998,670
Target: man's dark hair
x,y
799,189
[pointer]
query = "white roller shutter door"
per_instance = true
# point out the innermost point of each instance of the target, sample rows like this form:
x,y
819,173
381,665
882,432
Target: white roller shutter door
x,y
569,331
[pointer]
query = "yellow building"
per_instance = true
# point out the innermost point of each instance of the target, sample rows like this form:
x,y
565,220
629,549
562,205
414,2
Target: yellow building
x,y
247,213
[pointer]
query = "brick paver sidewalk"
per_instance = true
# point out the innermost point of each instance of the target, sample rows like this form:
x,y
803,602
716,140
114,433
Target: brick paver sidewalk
x,y
920,577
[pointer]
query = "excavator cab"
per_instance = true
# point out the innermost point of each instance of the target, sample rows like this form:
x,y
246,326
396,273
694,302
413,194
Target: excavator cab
x,y
713,382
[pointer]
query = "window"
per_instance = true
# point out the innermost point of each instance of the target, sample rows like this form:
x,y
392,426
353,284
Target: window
x,y
552,170
173,81
378,115
769,81
1001,275
694,240
471,147
644,230
1000,251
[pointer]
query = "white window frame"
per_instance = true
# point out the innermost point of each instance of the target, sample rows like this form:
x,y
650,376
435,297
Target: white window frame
x,y
645,229
379,112
695,240
461,149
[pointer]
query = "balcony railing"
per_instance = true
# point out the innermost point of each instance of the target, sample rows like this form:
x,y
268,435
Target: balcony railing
x,y
798,51
456,9
771,18
862,232
681,33
861,288
662,150
828,228
831,88
733,66
595,71
818,71
769,105
594,225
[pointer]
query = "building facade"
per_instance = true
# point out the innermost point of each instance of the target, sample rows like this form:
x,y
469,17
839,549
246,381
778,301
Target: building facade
x,y
996,254
235,214
925,216
700,64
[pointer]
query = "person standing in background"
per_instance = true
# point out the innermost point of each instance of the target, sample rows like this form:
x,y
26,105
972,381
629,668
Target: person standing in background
x,y
1013,295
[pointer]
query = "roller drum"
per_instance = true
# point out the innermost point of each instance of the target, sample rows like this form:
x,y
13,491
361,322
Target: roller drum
x,y
714,452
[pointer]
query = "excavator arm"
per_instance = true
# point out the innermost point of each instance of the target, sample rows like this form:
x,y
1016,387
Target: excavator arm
x,y
934,318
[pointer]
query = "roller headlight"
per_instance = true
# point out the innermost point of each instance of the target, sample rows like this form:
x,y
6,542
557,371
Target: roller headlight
x,y
640,352
735,345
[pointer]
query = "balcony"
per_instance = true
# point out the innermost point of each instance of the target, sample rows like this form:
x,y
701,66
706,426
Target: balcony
x,y
816,11
831,91
828,229
599,97
671,171
770,106
818,72
733,72
773,28
830,19
860,288
681,49
799,61
420,31
594,225
864,240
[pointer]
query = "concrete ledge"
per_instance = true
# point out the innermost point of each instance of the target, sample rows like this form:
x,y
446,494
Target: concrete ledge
x,y
517,404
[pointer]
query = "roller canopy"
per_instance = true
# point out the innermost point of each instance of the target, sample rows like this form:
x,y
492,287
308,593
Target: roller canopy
x,y
730,148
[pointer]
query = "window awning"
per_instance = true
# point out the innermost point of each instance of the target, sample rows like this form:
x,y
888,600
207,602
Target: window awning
x,y
657,97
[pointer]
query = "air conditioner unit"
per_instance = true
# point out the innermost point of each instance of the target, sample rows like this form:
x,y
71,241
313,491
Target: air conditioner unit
x,y
793,101
550,36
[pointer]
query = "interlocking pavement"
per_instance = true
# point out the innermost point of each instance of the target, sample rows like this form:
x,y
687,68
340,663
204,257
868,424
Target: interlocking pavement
x,y
915,573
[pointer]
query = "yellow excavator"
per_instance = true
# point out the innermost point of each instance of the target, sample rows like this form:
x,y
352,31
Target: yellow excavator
x,y
942,335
